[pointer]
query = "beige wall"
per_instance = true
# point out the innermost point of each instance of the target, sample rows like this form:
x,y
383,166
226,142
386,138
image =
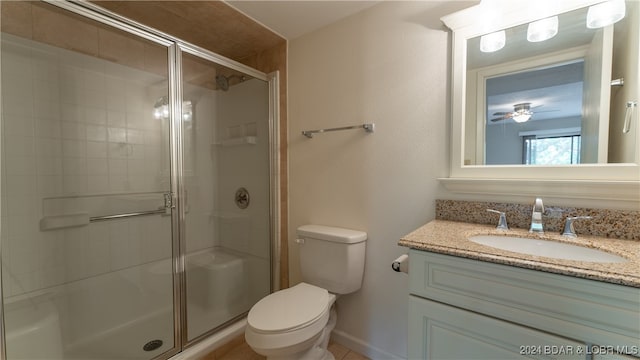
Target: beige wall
x,y
387,65
624,148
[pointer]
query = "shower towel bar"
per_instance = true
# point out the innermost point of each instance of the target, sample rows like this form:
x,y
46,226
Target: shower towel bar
x,y
366,127
127,215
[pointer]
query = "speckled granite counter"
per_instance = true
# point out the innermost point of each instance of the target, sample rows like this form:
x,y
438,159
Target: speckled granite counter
x,y
450,238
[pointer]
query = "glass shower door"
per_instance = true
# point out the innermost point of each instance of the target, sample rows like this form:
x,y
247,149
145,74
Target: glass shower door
x,y
85,166
225,132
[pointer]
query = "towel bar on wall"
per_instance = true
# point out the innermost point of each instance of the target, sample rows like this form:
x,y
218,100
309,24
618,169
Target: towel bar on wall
x,y
366,127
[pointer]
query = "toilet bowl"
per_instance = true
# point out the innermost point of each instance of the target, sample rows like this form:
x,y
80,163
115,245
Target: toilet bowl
x,y
296,323
279,328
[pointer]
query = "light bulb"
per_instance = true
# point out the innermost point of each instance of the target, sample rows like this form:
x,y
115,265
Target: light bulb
x,y
493,42
605,13
522,117
542,30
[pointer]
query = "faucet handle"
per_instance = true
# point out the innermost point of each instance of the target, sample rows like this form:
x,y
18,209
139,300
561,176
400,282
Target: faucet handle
x,y
569,231
502,223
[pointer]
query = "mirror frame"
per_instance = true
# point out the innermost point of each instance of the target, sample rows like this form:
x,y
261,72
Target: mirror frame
x,y
617,182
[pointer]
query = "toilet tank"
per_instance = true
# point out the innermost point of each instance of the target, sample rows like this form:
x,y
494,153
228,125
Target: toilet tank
x,y
331,257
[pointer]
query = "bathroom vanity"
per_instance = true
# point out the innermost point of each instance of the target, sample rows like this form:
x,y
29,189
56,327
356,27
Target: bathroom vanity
x,y
470,301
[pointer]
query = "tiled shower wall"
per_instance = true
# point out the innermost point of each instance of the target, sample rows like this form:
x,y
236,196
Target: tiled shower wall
x,y
75,127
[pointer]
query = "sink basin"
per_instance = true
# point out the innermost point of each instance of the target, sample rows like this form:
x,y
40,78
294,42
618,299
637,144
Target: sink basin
x,y
546,248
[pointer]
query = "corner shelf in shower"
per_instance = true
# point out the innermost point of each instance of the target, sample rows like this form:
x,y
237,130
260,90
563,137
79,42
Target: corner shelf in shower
x,y
243,140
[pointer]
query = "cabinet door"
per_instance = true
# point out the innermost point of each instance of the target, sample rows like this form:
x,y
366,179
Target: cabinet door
x,y
438,331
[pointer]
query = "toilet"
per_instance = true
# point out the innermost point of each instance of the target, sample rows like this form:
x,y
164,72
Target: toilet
x,y
296,323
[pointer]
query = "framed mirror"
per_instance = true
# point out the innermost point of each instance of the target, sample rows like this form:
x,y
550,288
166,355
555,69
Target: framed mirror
x,y
548,98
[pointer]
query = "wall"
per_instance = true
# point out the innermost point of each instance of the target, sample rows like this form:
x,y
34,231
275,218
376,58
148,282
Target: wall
x,y
623,148
387,65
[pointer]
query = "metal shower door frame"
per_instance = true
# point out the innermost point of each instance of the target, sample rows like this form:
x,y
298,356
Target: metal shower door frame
x,y
175,48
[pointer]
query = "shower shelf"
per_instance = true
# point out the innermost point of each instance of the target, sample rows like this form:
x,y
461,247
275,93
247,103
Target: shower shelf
x,y
244,140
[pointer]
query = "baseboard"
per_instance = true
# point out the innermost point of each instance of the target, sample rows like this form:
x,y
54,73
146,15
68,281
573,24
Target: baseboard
x,y
361,346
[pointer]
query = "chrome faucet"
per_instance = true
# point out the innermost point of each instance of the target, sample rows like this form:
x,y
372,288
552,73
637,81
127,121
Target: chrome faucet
x,y
569,231
502,222
536,217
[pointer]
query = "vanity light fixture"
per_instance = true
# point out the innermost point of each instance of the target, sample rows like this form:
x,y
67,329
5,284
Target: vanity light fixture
x,y
543,29
606,13
492,42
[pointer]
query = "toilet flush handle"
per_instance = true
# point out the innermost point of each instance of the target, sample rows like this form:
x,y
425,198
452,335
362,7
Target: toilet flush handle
x,y
300,241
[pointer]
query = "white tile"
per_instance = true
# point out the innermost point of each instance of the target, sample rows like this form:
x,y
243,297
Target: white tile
x,y
115,85
136,166
115,101
19,146
96,133
136,151
49,148
49,185
74,184
48,128
118,183
138,182
97,167
70,94
73,130
135,136
55,275
50,166
140,119
72,113
98,184
95,115
20,165
118,150
15,125
47,109
74,148
21,204
45,69
95,98
116,119
74,166
46,91
96,149
94,80
27,282
14,104
117,166
19,227
117,135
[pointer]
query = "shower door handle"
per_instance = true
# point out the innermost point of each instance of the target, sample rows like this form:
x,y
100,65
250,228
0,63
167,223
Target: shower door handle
x,y
169,203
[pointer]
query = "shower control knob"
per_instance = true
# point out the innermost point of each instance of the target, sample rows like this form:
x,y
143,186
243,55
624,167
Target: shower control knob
x,y
242,198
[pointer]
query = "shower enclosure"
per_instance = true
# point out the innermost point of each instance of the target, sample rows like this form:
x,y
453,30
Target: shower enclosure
x,y
138,177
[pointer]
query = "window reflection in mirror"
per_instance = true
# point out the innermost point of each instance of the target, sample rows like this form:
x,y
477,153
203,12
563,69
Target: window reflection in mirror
x,y
554,89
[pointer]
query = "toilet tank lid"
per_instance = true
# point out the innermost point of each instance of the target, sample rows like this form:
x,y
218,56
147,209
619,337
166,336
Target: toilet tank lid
x,y
330,233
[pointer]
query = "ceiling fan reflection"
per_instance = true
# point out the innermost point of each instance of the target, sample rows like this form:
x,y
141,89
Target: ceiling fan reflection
x,y
521,113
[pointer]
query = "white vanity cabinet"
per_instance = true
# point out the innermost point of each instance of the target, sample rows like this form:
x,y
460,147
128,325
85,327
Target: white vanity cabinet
x,y
467,309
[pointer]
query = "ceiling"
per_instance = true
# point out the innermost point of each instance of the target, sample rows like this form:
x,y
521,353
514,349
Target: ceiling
x,y
294,18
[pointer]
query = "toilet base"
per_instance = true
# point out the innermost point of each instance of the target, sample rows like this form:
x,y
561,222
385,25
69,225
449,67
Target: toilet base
x,y
319,350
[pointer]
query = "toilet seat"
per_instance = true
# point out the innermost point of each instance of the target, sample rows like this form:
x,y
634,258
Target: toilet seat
x,y
289,309
278,322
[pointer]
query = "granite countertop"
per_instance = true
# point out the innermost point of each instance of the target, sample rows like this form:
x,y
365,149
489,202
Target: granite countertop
x,y
450,238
